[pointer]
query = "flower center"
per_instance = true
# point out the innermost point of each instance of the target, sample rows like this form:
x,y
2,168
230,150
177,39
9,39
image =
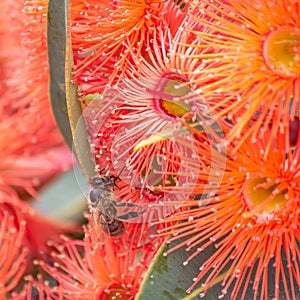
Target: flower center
x,y
170,98
263,196
281,51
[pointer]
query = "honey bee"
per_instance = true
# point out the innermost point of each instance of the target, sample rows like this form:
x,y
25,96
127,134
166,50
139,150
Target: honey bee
x,y
104,207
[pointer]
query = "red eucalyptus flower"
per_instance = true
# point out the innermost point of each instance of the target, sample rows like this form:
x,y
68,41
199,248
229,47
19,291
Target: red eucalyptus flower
x,y
253,221
143,131
254,62
104,35
89,270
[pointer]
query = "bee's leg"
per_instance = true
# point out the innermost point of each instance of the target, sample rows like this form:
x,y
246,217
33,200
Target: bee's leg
x,y
112,182
114,179
102,171
129,215
124,204
128,204
115,184
118,177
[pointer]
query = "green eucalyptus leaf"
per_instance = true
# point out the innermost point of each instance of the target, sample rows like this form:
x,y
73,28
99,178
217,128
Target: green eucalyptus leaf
x,y
67,109
168,278
81,143
56,39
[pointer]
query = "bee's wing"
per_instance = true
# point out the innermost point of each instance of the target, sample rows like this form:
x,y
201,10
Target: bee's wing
x,y
98,226
129,212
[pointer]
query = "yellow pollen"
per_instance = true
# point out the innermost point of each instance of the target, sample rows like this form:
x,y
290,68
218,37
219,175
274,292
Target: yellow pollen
x,y
281,51
176,109
176,89
263,197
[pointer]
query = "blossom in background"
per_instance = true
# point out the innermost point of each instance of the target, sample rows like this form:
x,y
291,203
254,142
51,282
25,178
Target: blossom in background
x,y
22,232
24,57
114,268
13,254
255,63
32,151
24,235
9,54
38,229
253,221
33,289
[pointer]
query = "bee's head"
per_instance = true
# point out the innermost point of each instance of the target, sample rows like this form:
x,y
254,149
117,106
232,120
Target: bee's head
x,y
94,197
97,181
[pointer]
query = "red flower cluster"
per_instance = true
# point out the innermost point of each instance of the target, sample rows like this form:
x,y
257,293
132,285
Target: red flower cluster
x,y
200,100
192,113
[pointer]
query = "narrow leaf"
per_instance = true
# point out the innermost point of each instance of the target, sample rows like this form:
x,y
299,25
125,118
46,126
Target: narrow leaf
x,y
81,143
66,107
168,278
56,39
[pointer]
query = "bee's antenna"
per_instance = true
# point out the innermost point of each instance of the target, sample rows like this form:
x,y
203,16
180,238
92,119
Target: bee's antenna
x,y
121,172
102,171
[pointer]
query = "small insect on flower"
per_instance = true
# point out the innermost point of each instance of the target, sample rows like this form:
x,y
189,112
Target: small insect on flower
x,y
104,208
